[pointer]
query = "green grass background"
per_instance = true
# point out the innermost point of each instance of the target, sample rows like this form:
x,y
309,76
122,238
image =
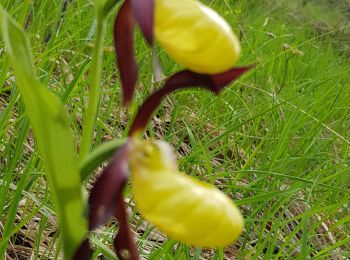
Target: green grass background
x,y
277,141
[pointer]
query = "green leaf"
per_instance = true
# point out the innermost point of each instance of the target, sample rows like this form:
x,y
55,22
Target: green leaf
x,y
98,156
53,135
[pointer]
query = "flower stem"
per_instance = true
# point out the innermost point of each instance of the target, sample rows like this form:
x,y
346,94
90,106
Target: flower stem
x,y
90,115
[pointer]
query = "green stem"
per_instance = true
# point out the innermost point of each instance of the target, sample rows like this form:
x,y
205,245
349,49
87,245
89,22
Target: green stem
x,y
90,115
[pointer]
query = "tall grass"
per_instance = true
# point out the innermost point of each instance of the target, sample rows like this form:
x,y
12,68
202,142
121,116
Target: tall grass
x,y
278,141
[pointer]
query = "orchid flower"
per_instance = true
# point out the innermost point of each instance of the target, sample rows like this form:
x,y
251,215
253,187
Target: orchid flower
x,y
195,36
177,204
186,209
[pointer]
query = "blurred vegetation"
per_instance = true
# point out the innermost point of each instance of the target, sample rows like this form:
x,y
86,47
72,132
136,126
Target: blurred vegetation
x,y
277,141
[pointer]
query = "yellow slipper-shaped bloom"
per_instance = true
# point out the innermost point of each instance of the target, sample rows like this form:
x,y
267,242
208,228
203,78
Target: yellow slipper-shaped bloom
x,y
177,204
195,36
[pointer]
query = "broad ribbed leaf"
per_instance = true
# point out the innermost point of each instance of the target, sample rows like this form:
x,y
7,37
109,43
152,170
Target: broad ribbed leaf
x,y
184,79
53,135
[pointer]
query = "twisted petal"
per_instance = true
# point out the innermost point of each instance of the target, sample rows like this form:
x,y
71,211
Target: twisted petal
x,y
181,80
106,199
195,36
179,205
124,46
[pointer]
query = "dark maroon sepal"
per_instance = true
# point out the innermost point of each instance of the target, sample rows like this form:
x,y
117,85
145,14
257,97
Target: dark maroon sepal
x,y
124,45
221,80
144,14
108,189
106,200
184,79
124,243
83,251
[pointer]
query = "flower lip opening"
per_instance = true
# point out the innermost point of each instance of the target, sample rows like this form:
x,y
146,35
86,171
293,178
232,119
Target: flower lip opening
x,y
142,151
151,155
164,196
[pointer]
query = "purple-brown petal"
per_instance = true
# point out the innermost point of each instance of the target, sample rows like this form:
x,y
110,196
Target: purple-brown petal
x,y
221,80
83,251
124,46
108,189
180,80
124,243
144,14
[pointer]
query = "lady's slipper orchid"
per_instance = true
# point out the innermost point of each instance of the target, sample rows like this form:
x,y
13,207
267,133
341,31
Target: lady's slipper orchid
x,y
195,36
177,204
